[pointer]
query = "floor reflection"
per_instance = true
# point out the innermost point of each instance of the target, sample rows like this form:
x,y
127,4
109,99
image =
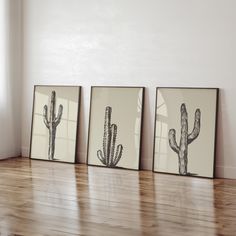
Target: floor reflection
x,y
45,198
114,200
54,200
184,205
225,206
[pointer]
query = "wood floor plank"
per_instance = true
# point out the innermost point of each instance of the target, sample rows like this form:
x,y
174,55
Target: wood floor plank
x,y
45,198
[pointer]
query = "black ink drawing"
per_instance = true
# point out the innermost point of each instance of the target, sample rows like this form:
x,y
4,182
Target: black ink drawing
x,y
109,157
51,123
185,139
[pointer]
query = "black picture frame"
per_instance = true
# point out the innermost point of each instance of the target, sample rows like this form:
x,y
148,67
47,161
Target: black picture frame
x,y
140,127
73,113
213,98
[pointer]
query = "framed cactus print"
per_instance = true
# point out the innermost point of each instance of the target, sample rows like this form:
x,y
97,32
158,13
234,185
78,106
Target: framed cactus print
x,y
185,131
115,127
55,123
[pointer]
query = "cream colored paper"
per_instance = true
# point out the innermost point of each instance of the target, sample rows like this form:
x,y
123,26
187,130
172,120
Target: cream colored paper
x,y
201,150
126,113
65,142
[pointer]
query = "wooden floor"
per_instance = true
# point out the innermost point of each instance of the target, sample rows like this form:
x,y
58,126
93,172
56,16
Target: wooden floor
x,y
45,198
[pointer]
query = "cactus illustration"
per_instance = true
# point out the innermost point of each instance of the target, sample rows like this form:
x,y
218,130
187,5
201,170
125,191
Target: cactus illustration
x,y
51,123
109,157
185,138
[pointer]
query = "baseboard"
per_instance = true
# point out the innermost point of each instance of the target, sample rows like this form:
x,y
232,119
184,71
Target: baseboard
x,y
25,151
226,172
81,157
221,171
146,164
8,155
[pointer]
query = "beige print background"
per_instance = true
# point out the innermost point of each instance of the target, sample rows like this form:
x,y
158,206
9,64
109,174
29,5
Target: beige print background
x,y
201,150
126,106
66,130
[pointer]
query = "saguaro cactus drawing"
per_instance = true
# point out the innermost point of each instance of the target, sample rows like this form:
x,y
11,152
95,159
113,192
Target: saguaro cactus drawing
x,y
185,138
51,123
109,156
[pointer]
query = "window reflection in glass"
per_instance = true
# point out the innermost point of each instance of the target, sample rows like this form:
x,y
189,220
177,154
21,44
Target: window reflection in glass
x,y
161,139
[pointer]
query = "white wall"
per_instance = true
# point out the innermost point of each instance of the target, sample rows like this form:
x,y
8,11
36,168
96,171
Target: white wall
x,y
137,43
10,78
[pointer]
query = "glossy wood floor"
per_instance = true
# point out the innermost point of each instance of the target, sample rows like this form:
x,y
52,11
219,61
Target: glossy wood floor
x,y
45,198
